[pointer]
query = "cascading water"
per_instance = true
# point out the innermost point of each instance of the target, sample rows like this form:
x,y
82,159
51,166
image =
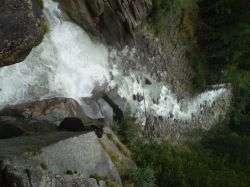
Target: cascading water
x,y
68,63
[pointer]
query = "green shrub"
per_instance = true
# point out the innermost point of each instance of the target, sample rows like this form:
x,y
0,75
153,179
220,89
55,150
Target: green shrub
x,y
142,177
126,129
110,136
182,166
43,25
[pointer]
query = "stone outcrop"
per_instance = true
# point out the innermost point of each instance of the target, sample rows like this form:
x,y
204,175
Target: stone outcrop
x,y
34,152
118,104
113,20
15,126
19,29
53,111
69,162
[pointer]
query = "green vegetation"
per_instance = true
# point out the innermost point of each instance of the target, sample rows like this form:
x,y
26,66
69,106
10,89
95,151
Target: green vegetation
x,y
167,15
225,40
126,129
115,159
178,19
217,36
110,136
1,3
43,25
215,161
183,166
142,177
119,145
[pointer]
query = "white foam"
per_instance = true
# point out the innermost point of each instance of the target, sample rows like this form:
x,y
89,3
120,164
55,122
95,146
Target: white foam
x,y
67,63
159,100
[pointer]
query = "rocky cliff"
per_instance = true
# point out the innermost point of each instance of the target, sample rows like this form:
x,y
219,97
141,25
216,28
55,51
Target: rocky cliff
x,y
19,29
112,20
35,151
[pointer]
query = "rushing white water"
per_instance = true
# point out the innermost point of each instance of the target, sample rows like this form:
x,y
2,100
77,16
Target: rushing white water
x,y
68,63
160,101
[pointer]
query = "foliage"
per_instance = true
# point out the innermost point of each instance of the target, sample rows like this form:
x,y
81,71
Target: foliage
x,y
215,161
224,38
142,177
217,36
119,145
126,129
164,10
110,136
1,2
225,35
182,166
43,25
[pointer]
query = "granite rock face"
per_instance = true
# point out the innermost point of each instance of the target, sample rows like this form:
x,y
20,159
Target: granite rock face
x,y
115,21
117,103
53,110
19,29
35,152
70,161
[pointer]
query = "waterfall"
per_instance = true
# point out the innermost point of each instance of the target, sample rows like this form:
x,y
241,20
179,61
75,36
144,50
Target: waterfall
x,y
69,64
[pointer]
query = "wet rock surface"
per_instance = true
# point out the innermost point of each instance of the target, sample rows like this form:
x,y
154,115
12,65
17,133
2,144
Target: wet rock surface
x,y
15,126
113,20
117,103
53,110
19,30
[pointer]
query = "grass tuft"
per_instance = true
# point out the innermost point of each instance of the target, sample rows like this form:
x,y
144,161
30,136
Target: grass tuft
x,y
115,159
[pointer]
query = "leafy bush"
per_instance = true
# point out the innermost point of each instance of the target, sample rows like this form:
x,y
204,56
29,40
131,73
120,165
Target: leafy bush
x,y
220,159
126,129
182,166
142,177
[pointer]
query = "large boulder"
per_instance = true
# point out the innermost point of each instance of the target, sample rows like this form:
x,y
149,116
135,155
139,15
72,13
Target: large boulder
x,y
53,111
112,20
47,161
19,29
14,126
118,104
